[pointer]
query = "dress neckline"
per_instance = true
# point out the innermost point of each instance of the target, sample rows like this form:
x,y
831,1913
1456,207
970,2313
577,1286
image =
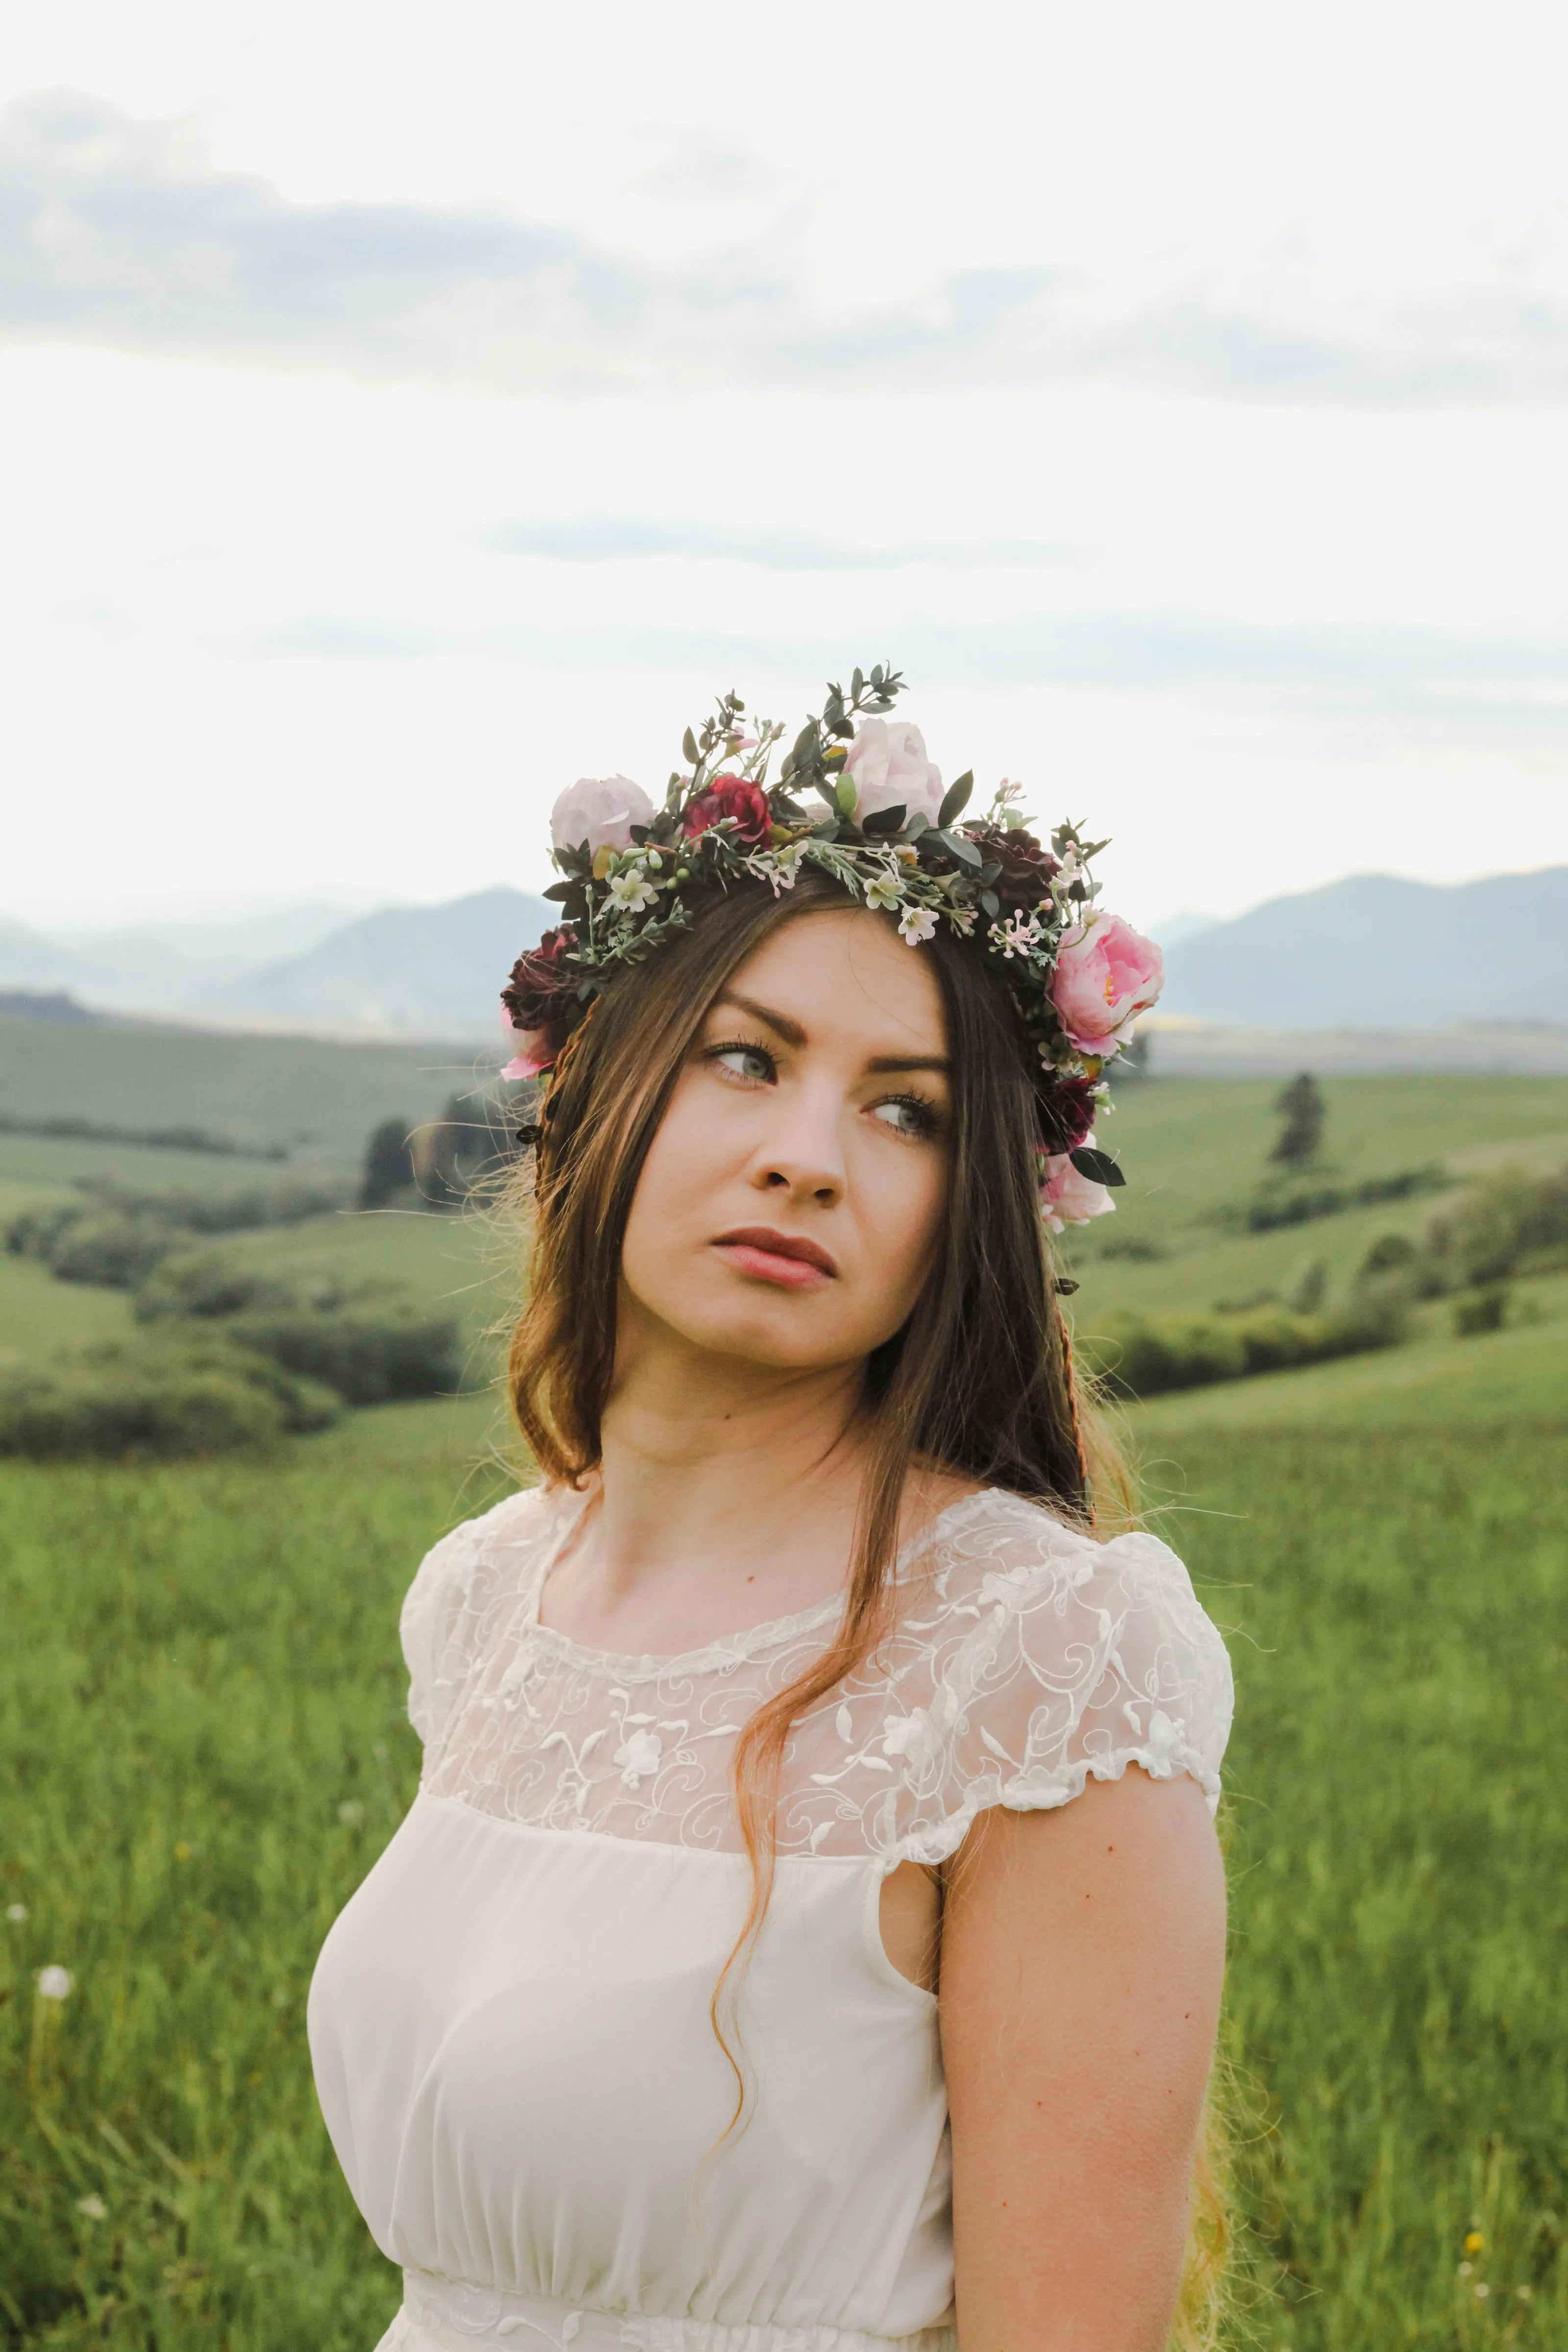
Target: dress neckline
x,y
726,1649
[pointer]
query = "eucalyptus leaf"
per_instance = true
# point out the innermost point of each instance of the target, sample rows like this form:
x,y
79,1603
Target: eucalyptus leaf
x,y
957,845
888,820
1098,1166
955,799
991,904
688,746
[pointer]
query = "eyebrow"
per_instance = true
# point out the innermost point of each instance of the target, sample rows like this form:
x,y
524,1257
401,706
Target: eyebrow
x,y
883,1065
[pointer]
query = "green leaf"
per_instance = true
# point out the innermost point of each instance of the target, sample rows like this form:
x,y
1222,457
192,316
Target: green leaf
x,y
888,820
856,684
829,791
958,846
846,795
688,746
804,749
559,890
991,904
1098,1166
955,799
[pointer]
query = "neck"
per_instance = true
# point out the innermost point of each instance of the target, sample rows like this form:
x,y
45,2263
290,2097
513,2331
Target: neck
x,y
714,1460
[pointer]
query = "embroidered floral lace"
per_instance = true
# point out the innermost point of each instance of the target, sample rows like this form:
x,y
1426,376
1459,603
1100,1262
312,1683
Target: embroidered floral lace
x,y
1026,1657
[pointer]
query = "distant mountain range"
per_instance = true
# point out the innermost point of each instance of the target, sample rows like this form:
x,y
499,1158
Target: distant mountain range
x,y
1375,952
1369,952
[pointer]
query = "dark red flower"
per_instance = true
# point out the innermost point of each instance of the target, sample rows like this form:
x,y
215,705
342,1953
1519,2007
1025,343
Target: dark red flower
x,y
1065,1108
730,796
542,982
1027,870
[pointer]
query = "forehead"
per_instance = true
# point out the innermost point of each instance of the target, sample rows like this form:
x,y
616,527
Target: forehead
x,y
845,976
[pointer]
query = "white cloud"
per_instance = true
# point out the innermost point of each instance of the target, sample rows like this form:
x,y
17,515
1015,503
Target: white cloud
x,y
124,232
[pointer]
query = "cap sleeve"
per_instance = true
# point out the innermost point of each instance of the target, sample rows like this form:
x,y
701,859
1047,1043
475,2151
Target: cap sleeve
x,y
1052,1658
455,1586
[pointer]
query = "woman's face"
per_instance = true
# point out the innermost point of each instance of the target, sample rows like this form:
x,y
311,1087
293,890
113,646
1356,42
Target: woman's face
x,y
789,1208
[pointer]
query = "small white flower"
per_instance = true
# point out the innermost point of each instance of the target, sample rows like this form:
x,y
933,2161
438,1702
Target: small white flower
x,y
638,1756
631,892
53,1983
16,1913
93,2207
914,1736
885,890
915,924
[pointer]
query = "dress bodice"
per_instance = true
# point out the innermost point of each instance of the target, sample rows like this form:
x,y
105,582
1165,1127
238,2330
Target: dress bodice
x,y
511,2020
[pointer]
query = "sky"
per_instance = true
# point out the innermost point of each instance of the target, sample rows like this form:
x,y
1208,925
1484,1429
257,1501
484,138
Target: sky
x,y
404,411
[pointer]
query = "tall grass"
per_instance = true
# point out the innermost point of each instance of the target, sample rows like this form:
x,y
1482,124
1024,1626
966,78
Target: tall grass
x,y
202,1750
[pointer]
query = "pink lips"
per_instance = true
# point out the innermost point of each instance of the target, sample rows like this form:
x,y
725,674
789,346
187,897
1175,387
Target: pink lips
x,y
787,1259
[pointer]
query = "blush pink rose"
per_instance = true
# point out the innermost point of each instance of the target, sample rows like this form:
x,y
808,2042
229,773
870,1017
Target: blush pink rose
x,y
598,813
890,770
536,1052
1068,1199
1106,975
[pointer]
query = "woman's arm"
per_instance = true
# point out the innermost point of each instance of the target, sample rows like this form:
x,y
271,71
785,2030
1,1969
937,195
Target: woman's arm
x,y
1082,1952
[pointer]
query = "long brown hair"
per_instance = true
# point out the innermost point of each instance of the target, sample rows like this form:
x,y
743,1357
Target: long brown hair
x,y
978,1383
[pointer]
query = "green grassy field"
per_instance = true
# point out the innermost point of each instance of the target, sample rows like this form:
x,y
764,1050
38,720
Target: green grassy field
x,y
316,1098
204,1749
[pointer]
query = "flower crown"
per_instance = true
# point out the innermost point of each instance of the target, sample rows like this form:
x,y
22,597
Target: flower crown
x,y
889,834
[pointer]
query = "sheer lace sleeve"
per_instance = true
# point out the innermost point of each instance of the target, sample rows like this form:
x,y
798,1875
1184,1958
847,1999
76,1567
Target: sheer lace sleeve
x,y
1049,1658
441,1598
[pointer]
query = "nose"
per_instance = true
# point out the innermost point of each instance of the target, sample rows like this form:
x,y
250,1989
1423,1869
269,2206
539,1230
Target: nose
x,y
802,1155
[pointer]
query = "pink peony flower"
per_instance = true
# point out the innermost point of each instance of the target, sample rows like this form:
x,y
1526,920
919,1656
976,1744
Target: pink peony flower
x,y
1106,975
598,813
890,770
733,796
1068,1199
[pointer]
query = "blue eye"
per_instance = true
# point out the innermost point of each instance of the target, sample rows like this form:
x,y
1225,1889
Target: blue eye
x,y
752,1064
907,1115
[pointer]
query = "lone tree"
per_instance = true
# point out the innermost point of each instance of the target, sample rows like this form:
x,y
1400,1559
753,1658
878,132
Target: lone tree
x,y
1301,1110
388,1164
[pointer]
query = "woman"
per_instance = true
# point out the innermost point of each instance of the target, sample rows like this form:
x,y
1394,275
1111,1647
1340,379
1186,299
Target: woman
x,y
780,1955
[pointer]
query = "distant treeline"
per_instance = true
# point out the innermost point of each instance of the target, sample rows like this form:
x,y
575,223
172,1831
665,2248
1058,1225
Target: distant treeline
x,y
151,1138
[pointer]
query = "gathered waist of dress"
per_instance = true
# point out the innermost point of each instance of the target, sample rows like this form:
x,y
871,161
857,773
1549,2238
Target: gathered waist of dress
x,y
452,2315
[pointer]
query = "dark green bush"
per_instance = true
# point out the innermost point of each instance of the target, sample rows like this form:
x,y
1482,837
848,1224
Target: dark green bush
x,y
154,1402
1149,1356
1277,1205
206,1284
367,1357
115,1251
1480,1311
285,1203
1390,1254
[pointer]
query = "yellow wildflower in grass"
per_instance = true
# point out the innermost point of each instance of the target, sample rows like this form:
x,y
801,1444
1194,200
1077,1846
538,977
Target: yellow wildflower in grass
x,y
1474,2242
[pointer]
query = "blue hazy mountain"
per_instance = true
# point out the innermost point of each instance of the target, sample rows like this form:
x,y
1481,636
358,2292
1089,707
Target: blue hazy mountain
x,y
1375,952
438,969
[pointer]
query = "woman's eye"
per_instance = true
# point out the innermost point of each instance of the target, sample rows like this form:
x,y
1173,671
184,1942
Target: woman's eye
x,y
748,1062
907,1115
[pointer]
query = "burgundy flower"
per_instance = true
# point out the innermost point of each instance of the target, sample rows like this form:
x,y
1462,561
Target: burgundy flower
x,y
542,982
1066,1109
1027,870
730,796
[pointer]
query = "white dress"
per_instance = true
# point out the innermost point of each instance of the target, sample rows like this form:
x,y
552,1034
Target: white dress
x,y
510,2024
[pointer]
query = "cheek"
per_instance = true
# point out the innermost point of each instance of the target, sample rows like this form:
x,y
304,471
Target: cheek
x,y
901,1210
685,1160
